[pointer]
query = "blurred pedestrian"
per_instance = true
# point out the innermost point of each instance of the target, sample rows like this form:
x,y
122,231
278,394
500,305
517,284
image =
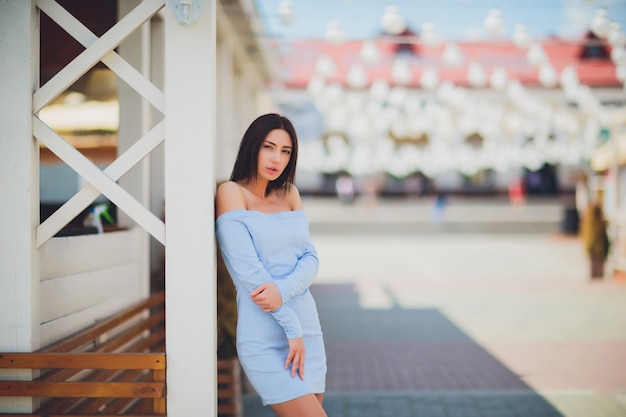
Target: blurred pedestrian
x,y
439,207
345,188
517,193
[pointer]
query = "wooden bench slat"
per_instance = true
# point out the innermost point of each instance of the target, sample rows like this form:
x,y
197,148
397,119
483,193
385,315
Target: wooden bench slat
x,y
225,378
153,323
154,343
132,405
82,360
226,409
93,405
59,405
82,389
141,406
89,405
117,405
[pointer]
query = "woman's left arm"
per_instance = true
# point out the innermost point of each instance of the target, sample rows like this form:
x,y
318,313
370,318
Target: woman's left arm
x,y
302,276
306,268
271,295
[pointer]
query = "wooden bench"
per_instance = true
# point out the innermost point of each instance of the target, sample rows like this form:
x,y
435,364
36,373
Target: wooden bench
x,y
115,367
229,396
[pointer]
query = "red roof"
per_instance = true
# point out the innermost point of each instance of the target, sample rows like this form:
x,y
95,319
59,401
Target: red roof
x,y
299,64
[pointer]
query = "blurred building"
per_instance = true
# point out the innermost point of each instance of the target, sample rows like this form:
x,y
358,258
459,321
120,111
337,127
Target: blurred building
x,y
467,117
408,112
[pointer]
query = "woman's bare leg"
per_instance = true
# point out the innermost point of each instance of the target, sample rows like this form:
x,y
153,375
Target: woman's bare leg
x,y
320,398
306,406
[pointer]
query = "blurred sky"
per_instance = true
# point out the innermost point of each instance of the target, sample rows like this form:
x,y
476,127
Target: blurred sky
x,y
456,20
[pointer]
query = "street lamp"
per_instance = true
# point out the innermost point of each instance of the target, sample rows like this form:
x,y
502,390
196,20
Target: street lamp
x,y
548,76
536,55
325,66
616,36
401,73
357,77
369,52
429,35
393,22
494,23
600,23
429,80
285,12
476,75
334,33
521,37
452,55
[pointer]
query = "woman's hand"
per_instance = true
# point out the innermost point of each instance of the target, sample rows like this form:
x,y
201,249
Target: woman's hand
x,y
296,357
267,296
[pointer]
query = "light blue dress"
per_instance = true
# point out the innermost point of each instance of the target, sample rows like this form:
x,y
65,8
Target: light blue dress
x,y
261,247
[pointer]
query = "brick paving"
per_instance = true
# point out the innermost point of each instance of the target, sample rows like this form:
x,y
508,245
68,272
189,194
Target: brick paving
x,y
487,323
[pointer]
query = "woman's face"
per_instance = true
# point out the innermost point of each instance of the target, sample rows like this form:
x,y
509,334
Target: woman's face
x,y
274,154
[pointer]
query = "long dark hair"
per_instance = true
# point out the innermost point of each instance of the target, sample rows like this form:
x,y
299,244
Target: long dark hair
x,y
245,167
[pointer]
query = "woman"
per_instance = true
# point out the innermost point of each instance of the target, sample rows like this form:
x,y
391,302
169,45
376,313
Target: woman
x,y
264,239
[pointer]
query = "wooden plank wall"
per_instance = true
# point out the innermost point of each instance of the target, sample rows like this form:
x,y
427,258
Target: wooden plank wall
x,y
84,279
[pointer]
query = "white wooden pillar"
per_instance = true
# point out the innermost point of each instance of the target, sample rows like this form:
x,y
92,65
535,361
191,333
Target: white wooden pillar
x,y
19,177
228,130
135,121
190,265
19,187
157,157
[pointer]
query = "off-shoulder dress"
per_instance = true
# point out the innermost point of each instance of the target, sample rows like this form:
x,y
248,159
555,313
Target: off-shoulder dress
x,y
260,247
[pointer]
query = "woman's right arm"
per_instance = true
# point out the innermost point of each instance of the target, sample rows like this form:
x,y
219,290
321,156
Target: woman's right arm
x,y
229,197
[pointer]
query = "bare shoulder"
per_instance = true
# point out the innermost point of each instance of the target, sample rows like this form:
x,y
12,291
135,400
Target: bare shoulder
x,y
293,197
229,197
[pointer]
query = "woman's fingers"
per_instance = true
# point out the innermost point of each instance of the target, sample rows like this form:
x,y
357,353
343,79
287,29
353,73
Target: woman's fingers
x,y
301,367
258,290
267,296
296,357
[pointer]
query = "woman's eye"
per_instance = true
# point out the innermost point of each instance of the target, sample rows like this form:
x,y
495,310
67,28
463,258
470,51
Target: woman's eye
x,y
267,146
287,152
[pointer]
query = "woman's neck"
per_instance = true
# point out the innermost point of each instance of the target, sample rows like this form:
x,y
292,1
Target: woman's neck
x,y
257,188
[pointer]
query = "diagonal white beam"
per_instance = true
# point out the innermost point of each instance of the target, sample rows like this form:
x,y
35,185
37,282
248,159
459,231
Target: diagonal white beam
x,y
89,193
85,168
115,62
90,56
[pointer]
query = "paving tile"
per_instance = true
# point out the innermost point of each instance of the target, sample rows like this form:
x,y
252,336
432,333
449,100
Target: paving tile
x,y
454,404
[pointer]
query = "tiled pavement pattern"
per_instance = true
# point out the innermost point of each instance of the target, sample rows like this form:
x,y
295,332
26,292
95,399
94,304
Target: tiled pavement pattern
x,y
487,323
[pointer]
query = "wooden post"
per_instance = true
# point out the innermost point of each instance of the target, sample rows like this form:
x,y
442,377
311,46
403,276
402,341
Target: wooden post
x,y
190,265
135,121
19,185
19,178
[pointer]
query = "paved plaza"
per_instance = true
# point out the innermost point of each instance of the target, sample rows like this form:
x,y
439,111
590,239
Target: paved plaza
x,y
489,314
